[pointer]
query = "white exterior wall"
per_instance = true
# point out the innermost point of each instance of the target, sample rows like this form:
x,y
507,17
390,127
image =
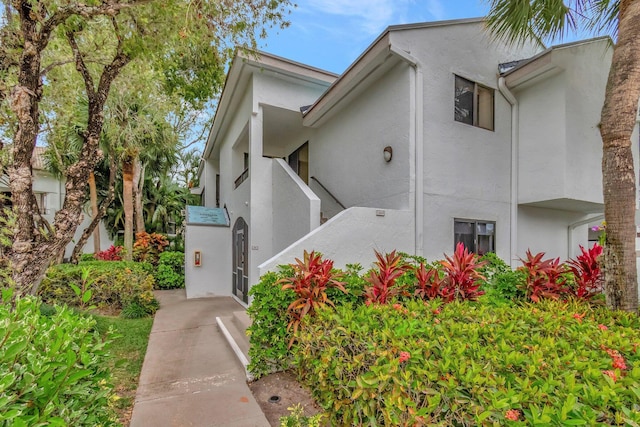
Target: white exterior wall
x,y
466,168
351,237
560,145
44,182
542,148
546,230
346,153
586,84
213,277
296,209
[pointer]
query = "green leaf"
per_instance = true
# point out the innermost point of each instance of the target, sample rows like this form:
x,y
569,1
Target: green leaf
x,y
14,349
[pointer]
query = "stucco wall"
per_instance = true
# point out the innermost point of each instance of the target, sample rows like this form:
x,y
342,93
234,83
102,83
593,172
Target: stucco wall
x,y
546,230
351,237
441,211
296,209
542,148
213,278
586,83
346,153
466,168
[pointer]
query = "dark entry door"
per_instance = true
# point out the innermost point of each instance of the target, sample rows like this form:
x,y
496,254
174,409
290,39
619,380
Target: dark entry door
x,y
241,260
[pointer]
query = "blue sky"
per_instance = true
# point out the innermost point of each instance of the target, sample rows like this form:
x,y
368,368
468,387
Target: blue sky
x,y
331,34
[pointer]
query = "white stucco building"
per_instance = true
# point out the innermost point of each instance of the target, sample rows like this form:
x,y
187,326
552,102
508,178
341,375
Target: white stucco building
x,y
436,134
50,192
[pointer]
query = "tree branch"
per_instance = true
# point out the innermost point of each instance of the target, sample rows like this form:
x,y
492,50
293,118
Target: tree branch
x,y
88,12
81,66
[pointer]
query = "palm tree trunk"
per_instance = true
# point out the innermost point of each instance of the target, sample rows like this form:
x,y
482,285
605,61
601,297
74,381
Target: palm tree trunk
x,y
618,177
93,195
138,181
102,211
127,202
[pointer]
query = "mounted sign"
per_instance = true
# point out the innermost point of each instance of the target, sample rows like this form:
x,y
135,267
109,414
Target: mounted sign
x,y
197,258
202,215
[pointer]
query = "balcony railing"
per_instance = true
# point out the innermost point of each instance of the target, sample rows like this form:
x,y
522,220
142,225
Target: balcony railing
x,y
242,178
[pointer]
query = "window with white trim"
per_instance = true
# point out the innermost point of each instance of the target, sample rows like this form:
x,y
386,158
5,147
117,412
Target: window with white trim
x,y
477,236
474,103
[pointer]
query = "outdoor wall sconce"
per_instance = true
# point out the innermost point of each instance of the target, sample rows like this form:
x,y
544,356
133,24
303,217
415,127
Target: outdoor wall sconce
x,y
388,153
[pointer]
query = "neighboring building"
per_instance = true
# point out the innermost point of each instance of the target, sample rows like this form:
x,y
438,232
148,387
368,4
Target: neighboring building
x,y
49,192
436,134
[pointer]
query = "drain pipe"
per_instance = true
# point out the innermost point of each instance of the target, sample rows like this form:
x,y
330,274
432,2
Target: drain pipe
x,y
575,225
515,125
416,135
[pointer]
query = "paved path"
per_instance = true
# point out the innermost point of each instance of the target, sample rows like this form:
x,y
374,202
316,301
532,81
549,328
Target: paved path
x,y
190,375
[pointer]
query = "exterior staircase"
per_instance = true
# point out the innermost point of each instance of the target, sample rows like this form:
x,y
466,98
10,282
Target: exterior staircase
x,y
234,329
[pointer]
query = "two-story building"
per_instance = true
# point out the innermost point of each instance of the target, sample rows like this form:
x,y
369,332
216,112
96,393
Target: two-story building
x,y
436,134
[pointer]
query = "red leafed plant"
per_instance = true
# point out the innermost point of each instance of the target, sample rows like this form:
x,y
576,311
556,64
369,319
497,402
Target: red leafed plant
x,y
111,254
429,284
382,279
311,277
545,278
587,272
462,278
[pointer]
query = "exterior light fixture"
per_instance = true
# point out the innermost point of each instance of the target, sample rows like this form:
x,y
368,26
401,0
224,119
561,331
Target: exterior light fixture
x,y
387,153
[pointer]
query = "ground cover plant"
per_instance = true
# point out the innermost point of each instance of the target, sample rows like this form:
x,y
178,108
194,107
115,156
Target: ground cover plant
x,y
54,367
464,363
462,341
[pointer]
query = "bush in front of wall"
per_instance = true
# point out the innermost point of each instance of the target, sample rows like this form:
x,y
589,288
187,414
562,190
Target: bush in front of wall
x,y
466,363
112,285
148,247
54,369
268,334
170,271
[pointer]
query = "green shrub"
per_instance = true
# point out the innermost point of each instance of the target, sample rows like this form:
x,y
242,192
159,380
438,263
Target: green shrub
x,y
268,333
297,418
148,247
113,284
54,369
170,271
553,363
87,257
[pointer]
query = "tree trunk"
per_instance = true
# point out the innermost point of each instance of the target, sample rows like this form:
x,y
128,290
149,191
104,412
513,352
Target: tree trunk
x,y
138,182
31,250
93,195
618,177
102,211
25,98
127,204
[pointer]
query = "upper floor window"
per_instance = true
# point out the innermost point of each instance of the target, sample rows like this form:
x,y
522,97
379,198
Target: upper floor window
x,y
474,103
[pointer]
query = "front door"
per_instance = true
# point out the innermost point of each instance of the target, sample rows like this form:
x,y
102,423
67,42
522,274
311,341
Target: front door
x,y
241,260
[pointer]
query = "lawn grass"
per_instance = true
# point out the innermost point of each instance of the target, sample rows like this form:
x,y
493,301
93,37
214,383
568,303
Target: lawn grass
x,y
128,352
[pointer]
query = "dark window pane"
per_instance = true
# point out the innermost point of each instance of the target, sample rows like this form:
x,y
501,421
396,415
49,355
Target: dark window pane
x,y
463,110
463,232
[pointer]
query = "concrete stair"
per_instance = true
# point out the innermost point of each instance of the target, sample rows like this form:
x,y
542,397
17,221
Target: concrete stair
x,y
234,329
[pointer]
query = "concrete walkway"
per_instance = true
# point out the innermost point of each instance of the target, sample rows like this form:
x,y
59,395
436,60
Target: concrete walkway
x,y
190,375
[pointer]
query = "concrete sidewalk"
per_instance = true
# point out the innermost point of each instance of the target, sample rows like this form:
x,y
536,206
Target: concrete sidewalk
x,y
190,375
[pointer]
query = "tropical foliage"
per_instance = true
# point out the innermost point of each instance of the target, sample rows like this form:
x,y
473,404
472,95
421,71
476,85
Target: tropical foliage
x,y
55,53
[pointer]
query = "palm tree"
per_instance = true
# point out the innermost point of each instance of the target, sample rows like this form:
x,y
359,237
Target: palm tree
x,y
517,21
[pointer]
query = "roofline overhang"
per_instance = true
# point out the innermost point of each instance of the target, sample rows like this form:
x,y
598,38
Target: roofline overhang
x,y
262,61
372,58
542,64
